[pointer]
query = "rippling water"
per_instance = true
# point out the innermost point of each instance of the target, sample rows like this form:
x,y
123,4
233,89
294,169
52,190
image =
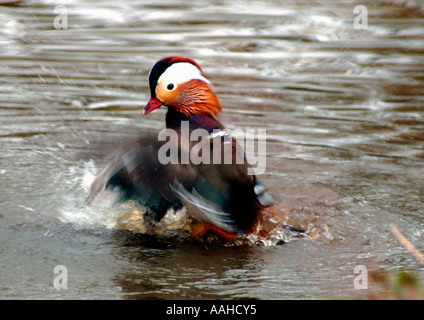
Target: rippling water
x,y
343,110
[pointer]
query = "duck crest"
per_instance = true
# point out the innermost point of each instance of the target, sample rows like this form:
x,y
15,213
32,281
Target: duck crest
x,y
160,67
179,83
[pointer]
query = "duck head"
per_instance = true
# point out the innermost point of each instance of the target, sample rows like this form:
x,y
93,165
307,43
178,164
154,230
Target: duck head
x,y
179,83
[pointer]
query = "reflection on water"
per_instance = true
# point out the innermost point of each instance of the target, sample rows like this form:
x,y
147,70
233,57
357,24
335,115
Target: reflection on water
x,y
343,110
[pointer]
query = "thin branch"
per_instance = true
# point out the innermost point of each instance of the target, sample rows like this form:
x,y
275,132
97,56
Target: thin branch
x,y
408,245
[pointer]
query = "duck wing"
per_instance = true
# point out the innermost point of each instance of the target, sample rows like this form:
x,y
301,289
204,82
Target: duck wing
x,y
215,187
136,173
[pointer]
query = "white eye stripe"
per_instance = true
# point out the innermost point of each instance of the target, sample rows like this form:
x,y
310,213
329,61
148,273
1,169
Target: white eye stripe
x,y
179,73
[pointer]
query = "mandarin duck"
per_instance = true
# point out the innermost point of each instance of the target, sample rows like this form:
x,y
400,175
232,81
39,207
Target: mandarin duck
x,y
219,195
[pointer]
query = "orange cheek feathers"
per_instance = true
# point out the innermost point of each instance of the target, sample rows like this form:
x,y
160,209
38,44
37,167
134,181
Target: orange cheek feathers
x,y
193,97
166,96
197,97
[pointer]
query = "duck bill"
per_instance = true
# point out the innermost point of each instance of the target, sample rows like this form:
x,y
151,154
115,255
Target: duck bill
x,y
153,104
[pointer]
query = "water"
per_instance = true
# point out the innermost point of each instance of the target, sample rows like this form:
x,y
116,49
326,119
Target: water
x,y
343,110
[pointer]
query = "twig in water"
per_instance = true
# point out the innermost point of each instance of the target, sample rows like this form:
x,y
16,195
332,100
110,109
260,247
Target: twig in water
x,y
408,245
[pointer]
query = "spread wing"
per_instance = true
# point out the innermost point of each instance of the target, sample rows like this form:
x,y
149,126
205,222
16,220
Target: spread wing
x,y
213,184
136,173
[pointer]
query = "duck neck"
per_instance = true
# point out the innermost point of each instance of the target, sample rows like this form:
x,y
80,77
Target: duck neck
x,y
199,121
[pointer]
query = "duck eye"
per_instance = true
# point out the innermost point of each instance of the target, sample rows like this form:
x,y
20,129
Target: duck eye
x,y
170,86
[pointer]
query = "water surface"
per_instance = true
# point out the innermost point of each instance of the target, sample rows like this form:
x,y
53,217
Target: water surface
x,y
343,110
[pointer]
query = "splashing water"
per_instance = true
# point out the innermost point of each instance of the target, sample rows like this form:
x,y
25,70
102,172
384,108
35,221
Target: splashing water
x,y
107,213
74,209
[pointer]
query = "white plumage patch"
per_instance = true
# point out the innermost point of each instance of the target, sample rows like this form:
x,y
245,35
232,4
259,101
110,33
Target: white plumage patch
x,y
179,73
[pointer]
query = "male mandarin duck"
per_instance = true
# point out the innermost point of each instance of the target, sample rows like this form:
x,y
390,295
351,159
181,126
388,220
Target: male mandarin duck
x,y
219,195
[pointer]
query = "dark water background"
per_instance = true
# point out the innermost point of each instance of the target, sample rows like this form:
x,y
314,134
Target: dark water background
x,y
343,109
